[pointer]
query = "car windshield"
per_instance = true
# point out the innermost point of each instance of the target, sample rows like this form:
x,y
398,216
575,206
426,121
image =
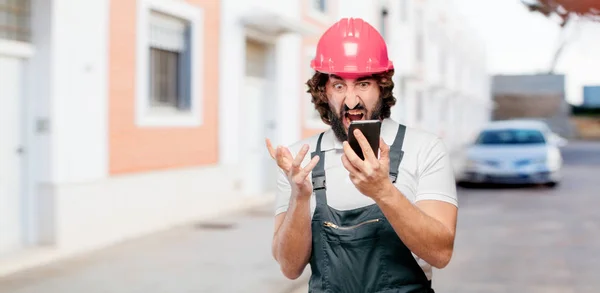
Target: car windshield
x,y
510,136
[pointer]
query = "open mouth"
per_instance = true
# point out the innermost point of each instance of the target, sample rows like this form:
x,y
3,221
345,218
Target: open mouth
x,y
353,116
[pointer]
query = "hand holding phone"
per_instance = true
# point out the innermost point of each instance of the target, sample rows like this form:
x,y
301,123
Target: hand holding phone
x,y
371,129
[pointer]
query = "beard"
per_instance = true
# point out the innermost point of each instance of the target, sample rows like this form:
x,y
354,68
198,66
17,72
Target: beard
x,y
337,124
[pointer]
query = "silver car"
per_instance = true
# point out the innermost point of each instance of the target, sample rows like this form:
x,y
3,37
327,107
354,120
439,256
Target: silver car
x,y
514,152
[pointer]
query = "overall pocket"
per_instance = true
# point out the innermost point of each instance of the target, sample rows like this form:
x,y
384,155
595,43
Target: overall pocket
x,y
405,272
354,257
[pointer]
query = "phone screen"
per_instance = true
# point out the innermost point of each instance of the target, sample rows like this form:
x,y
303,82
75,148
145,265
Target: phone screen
x,y
371,129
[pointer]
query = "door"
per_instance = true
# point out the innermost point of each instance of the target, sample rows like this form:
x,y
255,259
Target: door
x,y
11,200
259,167
257,121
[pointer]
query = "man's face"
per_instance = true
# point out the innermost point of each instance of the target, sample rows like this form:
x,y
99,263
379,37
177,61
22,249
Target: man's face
x,y
350,100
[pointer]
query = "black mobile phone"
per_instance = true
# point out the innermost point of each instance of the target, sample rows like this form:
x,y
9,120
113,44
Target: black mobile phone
x,y
371,129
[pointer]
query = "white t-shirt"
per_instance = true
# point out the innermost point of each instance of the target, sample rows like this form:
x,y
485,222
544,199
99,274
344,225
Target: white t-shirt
x,y
425,172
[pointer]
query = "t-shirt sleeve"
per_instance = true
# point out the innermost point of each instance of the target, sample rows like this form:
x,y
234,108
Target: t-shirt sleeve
x,y
436,176
283,193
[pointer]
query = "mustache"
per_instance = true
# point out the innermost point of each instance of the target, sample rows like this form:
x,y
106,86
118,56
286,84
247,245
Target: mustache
x,y
357,107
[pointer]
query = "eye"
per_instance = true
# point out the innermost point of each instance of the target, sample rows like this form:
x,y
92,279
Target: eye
x,y
364,84
338,86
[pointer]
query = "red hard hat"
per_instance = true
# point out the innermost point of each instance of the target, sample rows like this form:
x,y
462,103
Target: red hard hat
x,y
351,48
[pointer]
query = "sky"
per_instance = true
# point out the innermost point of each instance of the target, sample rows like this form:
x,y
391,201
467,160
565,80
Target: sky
x,y
521,42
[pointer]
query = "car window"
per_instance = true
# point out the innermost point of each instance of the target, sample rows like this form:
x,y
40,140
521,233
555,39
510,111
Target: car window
x,y
510,136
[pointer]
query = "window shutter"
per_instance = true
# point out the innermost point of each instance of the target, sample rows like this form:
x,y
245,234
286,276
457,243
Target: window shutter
x,y
167,32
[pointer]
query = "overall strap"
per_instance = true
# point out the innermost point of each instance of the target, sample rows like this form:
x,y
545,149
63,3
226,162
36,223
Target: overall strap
x,y
396,152
318,175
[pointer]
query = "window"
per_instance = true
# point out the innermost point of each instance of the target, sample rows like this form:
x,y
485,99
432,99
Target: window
x,y
319,10
444,109
400,109
442,64
419,43
403,10
320,5
169,63
169,55
419,46
15,20
510,136
419,106
384,15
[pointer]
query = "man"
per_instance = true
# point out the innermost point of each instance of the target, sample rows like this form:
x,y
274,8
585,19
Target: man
x,y
377,225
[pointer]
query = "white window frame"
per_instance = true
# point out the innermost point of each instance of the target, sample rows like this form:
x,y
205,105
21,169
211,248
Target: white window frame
x,y
309,109
16,49
145,115
324,17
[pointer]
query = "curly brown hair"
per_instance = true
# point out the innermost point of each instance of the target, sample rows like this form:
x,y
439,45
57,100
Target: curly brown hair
x,y
316,88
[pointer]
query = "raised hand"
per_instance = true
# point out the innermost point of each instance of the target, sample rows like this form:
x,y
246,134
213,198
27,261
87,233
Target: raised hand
x,y
296,174
281,155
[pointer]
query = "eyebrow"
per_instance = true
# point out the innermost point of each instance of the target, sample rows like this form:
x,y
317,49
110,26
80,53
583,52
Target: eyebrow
x,y
364,78
360,79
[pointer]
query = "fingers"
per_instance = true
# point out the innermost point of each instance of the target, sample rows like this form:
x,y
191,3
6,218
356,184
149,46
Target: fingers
x,y
270,148
355,175
368,153
280,154
300,157
385,150
352,157
283,159
287,154
303,173
291,165
349,165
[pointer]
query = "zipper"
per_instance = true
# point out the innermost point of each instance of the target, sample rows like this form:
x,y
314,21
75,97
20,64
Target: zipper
x,y
334,226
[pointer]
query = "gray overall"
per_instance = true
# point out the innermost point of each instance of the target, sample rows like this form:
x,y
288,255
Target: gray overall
x,y
358,250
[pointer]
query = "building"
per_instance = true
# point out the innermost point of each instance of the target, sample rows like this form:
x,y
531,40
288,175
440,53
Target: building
x,y
152,113
538,96
591,96
441,80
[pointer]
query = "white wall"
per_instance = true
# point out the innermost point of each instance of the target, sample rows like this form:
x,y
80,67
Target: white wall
x,y
232,73
231,66
446,37
79,62
108,211
65,97
38,106
289,88
367,10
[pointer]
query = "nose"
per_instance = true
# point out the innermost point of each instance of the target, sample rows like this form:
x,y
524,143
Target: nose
x,y
351,100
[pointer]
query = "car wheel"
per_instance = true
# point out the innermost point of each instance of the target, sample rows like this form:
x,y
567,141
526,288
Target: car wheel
x,y
466,184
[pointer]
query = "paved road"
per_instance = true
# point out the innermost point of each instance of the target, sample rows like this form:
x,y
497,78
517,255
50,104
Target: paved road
x,y
531,239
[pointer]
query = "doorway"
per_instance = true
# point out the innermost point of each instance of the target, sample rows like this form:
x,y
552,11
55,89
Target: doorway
x,y
258,119
12,215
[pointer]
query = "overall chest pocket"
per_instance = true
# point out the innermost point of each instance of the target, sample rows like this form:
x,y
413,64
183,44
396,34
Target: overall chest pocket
x,y
354,256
